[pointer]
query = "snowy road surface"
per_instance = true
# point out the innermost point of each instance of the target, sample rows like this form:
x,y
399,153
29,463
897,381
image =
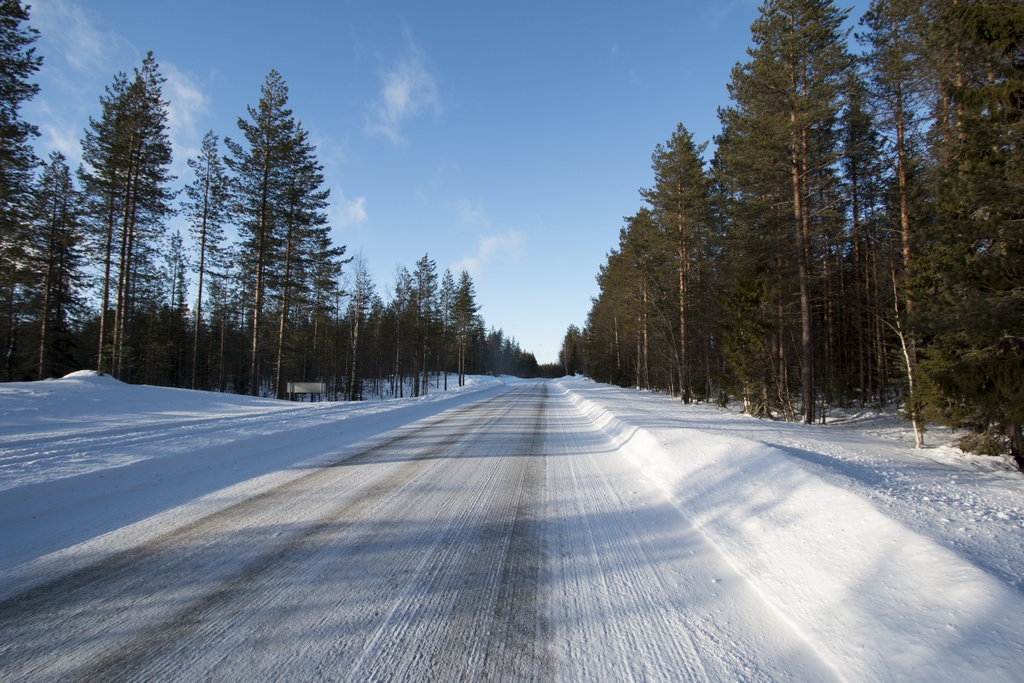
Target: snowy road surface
x,y
520,531
504,541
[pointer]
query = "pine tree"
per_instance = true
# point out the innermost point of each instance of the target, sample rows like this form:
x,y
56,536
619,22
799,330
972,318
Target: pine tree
x,y
869,306
206,210
447,313
324,292
970,282
754,194
402,309
465,315
570,356
261,181
790,93
127,156
680,200
174,340
305,233
99,175
424,307
361,295
897,69
222,312
633,328
57,234
18,63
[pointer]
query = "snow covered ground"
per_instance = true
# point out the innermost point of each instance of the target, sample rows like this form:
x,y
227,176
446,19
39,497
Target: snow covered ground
x,y
547,530
898,563
86,454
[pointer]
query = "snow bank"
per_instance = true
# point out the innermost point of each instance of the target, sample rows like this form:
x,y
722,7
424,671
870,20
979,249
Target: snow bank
x,y
86,421
879,601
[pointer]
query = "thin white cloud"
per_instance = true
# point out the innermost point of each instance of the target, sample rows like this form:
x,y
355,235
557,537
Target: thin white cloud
x,y
62,137
187,104
470,214
346,213
505,246
330,151
67,27
81,54
408,89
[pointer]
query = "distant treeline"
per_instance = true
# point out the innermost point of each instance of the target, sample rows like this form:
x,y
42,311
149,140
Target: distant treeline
x,y
91,278
857,238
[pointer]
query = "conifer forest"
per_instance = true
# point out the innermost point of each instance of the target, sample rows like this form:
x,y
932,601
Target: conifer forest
x,y
855,238
91,276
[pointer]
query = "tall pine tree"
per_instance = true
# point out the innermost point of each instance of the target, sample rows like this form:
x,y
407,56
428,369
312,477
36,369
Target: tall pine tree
x,y
206,209
970,279
18,63
260,184
57,235
127,157
681,204
790,93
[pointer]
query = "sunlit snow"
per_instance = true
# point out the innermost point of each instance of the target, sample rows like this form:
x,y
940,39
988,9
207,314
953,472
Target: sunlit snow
x,y
767,547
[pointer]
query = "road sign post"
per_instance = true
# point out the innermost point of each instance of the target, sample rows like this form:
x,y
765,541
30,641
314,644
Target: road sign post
x,y
306,388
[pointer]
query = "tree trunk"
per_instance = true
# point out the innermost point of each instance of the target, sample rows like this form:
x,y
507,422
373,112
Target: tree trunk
x,y
109,247
906,347
285,291
803,269
1016,444
684,360
47,286
257,311
355,339
125,266
202,268
646,365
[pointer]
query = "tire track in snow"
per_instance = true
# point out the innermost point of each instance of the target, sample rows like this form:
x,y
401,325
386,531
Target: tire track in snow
x,y
623,575
223,518
505,540
475,609
359,600
31,623
520,633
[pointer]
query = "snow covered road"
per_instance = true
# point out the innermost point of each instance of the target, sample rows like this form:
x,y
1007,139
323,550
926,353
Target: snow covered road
x,y
507,530
506,539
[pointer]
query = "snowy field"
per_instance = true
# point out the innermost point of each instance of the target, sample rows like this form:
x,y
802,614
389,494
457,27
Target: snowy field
x,y
509,529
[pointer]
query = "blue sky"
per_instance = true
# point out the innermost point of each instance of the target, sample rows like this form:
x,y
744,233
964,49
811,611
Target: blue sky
x,y
508,140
